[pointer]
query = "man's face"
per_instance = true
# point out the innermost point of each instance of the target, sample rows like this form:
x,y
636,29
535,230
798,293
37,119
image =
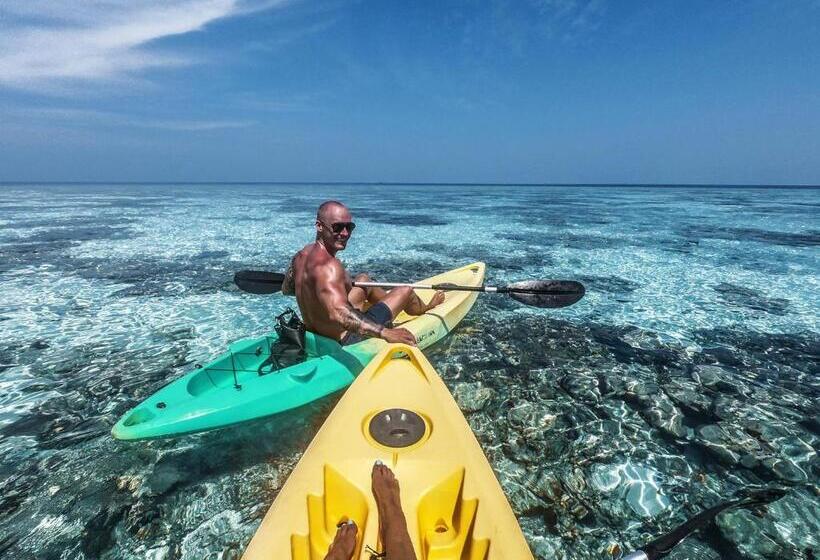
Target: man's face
x,y
334,227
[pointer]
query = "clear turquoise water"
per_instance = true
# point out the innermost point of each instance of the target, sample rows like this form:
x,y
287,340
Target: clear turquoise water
x,y
687,373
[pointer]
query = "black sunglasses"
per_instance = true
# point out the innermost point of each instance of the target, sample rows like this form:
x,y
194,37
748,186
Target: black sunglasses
x,y
338,227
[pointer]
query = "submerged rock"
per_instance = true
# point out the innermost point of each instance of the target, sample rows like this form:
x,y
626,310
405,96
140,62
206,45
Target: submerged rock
x,y
547,548
531,419
546,487
727,408
742,296
129,483
214,535
730,444
522,500
754,537
693,549
664,415
639,486
472,397
715,378
689,398
582,387
521,451
785,469
166,475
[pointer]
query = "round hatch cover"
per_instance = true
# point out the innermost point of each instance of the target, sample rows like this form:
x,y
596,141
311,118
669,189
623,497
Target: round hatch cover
x,y
397,427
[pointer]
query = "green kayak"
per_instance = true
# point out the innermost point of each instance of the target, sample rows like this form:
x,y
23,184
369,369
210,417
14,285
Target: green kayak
x,y
245,383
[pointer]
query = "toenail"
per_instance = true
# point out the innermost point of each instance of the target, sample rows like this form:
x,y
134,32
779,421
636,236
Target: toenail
x,y
379,462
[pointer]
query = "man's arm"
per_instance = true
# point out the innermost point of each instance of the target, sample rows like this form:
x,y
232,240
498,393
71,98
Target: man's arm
x,y
330,281
288,284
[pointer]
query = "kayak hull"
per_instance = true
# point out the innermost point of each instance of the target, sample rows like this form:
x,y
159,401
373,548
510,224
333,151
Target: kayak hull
x,y
454,506
244,383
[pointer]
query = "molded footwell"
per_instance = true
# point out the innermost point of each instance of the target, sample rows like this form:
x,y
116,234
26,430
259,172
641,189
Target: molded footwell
x,y
446,523
340,502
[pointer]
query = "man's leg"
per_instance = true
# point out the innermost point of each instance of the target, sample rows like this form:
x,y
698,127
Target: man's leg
x,y
417,307
344,544
402,299
394,536
358,296
405,299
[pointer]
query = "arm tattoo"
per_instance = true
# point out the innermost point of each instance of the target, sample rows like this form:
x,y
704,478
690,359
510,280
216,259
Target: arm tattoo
x,y
288,285
357,322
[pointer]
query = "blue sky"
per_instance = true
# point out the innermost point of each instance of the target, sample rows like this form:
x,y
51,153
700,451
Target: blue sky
x,y
568,91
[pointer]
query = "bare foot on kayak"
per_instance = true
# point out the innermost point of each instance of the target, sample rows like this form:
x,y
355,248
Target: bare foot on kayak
x,y
437,299
344,543
392,524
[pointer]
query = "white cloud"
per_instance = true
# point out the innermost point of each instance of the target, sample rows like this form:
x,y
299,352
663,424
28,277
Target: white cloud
x,y
54,44
92,118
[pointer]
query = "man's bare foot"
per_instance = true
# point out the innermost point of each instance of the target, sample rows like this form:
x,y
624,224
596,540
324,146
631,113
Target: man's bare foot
x,y
437,299
392,524
385,490
344,543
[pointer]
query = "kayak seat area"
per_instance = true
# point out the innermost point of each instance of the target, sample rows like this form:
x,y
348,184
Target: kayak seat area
x,y
317,345
445,519
341,502
282,355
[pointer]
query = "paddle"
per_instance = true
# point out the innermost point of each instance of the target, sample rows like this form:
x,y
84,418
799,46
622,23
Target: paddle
x,y
537,293
663,545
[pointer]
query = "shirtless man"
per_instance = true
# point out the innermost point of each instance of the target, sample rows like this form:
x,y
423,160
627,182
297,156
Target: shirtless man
x,y
329,303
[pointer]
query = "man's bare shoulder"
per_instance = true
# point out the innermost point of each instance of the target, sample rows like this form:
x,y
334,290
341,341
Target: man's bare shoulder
x,y
309,257
321,263
304,252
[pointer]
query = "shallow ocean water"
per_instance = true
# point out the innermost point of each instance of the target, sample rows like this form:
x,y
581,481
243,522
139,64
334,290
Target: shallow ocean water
x,y
687,374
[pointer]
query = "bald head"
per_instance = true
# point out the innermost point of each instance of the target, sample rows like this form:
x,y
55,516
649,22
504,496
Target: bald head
x,y
329,209
334,224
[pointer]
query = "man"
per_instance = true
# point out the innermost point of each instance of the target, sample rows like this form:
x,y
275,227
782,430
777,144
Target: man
x,y
329,303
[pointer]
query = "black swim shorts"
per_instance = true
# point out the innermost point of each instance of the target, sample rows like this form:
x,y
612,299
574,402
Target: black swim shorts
x,y
378,313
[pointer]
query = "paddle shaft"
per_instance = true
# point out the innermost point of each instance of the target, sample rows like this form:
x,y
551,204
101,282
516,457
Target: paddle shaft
x,y
537,293
449,287
457,288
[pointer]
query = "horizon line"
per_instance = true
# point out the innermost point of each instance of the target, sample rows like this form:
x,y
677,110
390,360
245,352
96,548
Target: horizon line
x,y
419,183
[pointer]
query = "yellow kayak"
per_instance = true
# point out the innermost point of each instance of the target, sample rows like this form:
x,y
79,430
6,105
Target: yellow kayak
x,y
400,412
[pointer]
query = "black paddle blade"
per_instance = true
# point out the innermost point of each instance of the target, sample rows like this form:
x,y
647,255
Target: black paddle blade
x,y
547,293
663,545
259,282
